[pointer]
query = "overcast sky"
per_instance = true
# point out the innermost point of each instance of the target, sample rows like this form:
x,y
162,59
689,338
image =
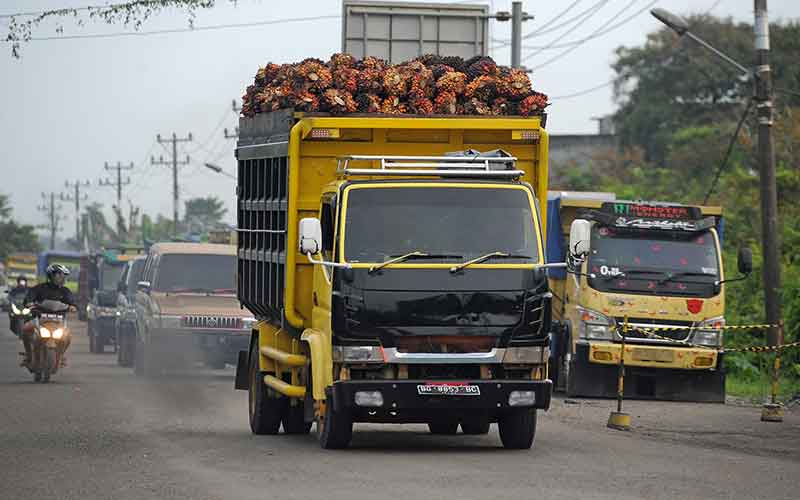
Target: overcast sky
x,y
68,106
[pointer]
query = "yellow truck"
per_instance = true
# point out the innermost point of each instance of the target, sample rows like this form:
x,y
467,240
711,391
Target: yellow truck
x,y
656,265
22,264
396,266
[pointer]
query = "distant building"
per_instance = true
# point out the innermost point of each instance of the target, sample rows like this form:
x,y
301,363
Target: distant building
x,y
570,150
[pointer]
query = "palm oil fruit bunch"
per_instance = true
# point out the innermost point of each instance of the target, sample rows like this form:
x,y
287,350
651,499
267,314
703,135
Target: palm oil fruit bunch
x,y
427,85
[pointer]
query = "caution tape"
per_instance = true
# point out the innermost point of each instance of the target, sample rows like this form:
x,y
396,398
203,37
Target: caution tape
x,y
767,348
764,348
715,328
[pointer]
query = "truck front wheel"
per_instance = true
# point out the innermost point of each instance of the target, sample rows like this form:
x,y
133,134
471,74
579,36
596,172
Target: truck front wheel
x,y
265,411
517,428
475,425
335,428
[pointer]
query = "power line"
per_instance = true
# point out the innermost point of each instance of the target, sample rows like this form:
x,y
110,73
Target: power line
x,y
603,26
181,30
730,149
541,32
598,5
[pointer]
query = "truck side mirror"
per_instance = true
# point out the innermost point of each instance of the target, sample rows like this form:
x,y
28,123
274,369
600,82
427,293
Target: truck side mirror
x,y
310,240
745,260
143,286
579,234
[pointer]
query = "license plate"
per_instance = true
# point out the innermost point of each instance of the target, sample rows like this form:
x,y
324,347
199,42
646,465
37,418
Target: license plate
x,y
660,355
448,390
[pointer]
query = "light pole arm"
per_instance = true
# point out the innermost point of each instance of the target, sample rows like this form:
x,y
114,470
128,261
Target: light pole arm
x,y
721,55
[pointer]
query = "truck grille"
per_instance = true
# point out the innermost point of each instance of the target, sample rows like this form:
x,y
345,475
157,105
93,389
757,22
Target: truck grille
x,y
634,323
211,322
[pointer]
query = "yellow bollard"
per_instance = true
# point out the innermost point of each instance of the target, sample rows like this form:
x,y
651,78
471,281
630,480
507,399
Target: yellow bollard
x,y
618,419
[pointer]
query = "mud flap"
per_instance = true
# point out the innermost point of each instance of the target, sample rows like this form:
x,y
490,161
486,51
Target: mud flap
x,y
242,381
600,381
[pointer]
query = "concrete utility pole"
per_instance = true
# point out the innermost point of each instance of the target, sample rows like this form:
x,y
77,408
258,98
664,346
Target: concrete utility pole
x,y
50,208
175,195
119,167
77,185
517,17
766,162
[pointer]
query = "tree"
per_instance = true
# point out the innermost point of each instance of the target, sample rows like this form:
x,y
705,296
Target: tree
x,y
670,82
128,13
202,214
15,237
158,230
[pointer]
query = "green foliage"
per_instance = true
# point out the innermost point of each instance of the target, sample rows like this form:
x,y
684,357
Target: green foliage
x,y
158,230
202,214
15,237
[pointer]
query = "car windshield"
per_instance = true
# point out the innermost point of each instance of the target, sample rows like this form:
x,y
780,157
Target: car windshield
x,y
663,263
201,273
111,275
447,224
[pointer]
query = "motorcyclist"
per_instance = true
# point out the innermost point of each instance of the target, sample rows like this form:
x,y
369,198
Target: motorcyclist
x,y
22,289
52,289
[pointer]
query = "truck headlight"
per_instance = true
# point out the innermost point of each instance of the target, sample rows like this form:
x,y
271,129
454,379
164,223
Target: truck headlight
x,y
594,326
522,398
371,399
709,332
357,354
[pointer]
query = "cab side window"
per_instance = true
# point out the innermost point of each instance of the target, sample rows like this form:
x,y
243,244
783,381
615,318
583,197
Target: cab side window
x,y
327,222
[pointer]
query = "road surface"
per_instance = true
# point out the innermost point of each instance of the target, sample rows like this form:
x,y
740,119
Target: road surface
x,y
98,432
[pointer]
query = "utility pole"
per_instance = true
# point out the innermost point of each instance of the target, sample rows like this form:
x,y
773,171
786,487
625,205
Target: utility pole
x,y
53,217
77,185
517,17
119,167
236,109
766,162
175,198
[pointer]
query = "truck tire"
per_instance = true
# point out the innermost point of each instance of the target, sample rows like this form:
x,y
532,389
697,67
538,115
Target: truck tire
x,y
475,425
517,429
294,420
265,411
335,428
443,427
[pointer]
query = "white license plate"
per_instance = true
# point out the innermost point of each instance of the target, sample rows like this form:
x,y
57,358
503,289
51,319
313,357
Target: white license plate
x,y
448,390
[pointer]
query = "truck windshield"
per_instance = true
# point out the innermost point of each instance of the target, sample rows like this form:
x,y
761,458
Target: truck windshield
x,y
651,262
196,273
448,224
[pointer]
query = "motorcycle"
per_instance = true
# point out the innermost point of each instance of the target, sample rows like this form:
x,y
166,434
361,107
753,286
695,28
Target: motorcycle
x,y
18,314
50,339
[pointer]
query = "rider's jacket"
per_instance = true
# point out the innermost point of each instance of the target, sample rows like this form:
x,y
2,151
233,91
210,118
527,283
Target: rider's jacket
x,y
50,291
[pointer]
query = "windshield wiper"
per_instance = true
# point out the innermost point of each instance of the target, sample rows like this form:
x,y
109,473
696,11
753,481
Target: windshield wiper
x,y
671,276
486,257
396,260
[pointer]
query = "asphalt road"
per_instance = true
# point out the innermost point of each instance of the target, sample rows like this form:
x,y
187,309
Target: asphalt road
x,y
98,432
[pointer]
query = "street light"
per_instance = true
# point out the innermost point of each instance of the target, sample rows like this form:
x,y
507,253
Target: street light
x,y
218,169
681,27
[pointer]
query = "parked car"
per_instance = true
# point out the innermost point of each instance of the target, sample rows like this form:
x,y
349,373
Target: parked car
x,y
187,308
126,320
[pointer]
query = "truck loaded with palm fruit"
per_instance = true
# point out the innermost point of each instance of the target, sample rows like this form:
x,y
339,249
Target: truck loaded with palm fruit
x,y
395,263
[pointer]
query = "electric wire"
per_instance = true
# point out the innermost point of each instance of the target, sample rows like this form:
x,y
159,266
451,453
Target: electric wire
x,y
560,37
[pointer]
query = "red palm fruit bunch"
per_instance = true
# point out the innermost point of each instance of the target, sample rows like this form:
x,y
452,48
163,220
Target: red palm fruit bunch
x,y
368,103
439,70
477,106
446,103
484,88
421,105
394,82
342,60
337,102
503,106
274,98
420,80
452,81
392,105
429,60
346,79
312,75
370,75
514,84
305,101
533,104
267,74
480,66
455,62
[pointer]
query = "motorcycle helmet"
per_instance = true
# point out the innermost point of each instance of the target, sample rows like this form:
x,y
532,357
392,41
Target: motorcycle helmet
x,y
22,281
53,271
